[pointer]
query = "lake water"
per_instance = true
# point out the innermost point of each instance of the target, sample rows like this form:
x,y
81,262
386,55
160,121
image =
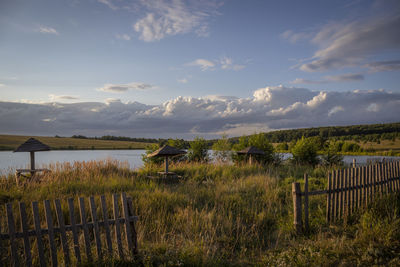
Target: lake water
x,y
10,161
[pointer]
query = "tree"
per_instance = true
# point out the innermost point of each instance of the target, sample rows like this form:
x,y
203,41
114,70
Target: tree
x,y
222,149
198,151
282,147
305,151
261,142
153,160
331,155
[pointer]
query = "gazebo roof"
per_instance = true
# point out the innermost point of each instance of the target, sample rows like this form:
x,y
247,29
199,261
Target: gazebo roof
x,y
166,151
32,145
251,150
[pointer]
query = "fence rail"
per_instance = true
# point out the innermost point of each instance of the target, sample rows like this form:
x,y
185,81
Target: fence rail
x,y
59,237
348,190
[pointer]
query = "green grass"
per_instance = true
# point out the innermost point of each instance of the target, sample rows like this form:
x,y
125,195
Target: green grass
x,y
220,215
11,142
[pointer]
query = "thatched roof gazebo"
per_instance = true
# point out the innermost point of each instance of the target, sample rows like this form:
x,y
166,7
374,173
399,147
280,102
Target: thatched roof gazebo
x,y
251,150
32,145
166,151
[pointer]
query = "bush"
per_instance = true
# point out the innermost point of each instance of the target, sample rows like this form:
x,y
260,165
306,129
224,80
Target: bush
x,y
259,141
305,151
222,149
198,151
331,155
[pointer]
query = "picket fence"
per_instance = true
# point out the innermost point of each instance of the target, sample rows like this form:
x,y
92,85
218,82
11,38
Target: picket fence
x,y
348,190
60,235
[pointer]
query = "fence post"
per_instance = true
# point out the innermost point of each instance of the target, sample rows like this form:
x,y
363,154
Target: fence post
x,y
354,162
306,217
296,193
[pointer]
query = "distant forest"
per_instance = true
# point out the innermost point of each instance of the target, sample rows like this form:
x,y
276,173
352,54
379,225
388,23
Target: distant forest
x,y
371,133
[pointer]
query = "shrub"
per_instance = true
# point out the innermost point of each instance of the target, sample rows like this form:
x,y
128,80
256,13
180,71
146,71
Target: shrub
x,y
305,151
222,149
198,151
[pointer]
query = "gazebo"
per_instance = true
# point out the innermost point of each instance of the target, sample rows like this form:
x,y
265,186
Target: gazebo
x,y
166,151
251,150
32,145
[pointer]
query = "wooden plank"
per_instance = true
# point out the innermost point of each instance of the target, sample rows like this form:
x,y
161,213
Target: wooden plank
x,y
385,177
349,190
353,191
95,227
106,225
296,194
346,191
128,231
364,179
38,231
357,184
74,229
49,221
306,222
396,164
336,195
117,226
341,178
328,198
368,176
85,228
133,229
61,224
11,233
24,228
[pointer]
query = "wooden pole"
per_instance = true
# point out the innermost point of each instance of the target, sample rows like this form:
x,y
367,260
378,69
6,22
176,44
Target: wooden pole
x,y
354,162
32,163
166,165
328,198
306,222
296,193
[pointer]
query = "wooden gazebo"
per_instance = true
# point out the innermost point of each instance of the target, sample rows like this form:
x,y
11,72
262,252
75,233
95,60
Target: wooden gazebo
x,y
166,152
251,150
32,145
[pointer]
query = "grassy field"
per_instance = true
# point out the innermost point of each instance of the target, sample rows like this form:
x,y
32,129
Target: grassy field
x,y
10,142
220,215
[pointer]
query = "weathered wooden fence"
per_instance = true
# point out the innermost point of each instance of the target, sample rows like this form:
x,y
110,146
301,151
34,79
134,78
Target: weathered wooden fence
x,y
59,236
348,190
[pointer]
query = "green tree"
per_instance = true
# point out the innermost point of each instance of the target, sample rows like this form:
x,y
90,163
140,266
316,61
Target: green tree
x,y
305,151
222,149
282,147
154,160
257,140
331,155
198,151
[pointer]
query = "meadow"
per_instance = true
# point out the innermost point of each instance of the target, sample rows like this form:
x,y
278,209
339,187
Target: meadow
x,y
220,215
10,142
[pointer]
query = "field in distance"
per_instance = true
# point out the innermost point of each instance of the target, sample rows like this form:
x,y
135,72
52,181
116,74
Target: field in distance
x,y
11,142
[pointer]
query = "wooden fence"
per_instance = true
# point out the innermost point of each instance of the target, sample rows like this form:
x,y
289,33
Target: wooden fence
x,y
348,190
60,236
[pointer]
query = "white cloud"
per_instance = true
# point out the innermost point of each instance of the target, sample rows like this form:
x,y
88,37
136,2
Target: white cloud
x,y
204,64
294,37
2,85
390,65
120,88
47,30
352,44
168,18
224,63
268,108
227,64
62,97
183,80
348,77
124,36
108,3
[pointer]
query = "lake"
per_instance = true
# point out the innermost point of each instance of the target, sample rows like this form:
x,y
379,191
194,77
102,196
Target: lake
x,y
10,161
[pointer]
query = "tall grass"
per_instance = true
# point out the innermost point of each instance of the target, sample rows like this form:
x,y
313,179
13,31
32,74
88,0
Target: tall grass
x,y
220,215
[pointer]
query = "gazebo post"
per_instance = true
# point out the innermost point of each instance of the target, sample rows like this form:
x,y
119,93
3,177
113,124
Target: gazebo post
x,y
32,162
166,164
250,160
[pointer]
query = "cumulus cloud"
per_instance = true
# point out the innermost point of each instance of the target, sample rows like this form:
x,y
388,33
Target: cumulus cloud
x,y
120,88
47,30
268,108
167,18
227,64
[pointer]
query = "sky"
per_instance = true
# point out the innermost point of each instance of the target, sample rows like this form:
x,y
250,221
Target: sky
x,y
180,69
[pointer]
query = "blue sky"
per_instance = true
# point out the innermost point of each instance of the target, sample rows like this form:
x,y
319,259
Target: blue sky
x,y
199,67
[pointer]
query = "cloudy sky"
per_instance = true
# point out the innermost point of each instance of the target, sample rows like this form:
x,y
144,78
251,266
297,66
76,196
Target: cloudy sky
x,y
175,68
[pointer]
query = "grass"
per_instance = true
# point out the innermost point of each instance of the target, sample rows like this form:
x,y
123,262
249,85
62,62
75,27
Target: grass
x,y
223,215
11,142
